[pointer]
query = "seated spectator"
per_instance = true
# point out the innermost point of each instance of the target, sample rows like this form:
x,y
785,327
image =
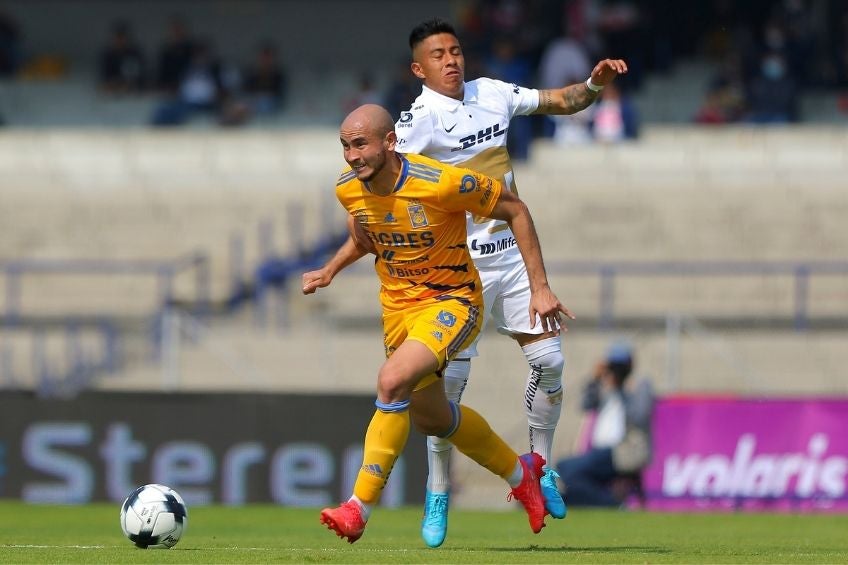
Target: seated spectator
x,y
174,56
565,60
614,117
206,88
122,64
773,94
507,64
10,46
724,101
265,84
619,436
367,92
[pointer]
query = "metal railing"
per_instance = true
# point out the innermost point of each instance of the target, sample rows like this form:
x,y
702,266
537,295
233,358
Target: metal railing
x,y
164,270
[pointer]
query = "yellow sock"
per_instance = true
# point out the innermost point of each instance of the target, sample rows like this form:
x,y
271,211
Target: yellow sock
x,y
384,442
476,439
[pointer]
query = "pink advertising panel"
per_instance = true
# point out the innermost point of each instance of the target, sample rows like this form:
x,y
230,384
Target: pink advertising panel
x,y
749,454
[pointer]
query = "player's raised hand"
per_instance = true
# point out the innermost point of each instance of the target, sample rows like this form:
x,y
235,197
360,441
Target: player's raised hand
x,y
547,306
606,71
313,280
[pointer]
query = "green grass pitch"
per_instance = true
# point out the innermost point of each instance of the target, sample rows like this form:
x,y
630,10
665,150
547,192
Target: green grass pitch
x,y
273,534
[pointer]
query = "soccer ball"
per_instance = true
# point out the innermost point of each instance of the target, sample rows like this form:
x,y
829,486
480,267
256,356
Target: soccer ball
x,y
154,516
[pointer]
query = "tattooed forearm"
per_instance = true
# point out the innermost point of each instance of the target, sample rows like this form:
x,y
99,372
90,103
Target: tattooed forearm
x,y
547,103
578,97
568,100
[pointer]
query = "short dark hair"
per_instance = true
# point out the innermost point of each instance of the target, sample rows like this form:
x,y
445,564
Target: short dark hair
x,y
425,29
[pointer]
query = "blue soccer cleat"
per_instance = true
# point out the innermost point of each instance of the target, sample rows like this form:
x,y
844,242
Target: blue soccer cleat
x,y
554,503
434,525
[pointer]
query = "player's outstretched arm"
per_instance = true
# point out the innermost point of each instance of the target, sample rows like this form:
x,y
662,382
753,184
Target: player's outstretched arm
x,y
573,98
347,254
543,301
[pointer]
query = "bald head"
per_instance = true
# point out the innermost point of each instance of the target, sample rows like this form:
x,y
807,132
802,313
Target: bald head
x,y
368,140
370,119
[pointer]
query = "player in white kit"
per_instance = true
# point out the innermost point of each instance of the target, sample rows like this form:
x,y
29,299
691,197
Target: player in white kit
x,y
465,124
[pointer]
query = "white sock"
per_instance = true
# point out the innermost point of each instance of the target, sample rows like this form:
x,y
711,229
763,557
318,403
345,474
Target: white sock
x,y
438,460
365,508
543,393
438,449
540,442
517,475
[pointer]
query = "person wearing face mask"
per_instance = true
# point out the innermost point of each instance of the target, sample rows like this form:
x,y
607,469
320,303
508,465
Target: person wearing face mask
x,y
619,432
773,94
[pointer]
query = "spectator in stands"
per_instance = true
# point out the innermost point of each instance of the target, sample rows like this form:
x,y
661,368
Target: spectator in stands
x,y
402,90
265,84
614,117
506,64
201,90
10,46
566,61
174,56
366,92
773,94
724,101
619,434
122,63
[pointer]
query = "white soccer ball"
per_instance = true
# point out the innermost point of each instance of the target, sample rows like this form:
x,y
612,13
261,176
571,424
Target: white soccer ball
x,y
154,516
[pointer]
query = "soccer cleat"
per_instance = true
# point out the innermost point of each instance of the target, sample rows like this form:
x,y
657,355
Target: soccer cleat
x,y
554,503
529,492
434,525
346,520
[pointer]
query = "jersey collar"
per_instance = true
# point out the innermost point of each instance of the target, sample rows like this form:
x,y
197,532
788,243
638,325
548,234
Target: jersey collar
x,y
404,172
450,104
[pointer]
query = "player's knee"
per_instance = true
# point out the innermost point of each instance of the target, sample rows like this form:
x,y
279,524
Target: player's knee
x,y
392,385
546,362
430,423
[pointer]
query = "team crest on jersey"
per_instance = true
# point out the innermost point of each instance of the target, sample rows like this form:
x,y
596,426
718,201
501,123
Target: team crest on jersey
x,y
417,216
446,318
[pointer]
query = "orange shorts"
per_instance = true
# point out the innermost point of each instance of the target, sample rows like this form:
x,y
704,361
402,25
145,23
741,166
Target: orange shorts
x,y
446,327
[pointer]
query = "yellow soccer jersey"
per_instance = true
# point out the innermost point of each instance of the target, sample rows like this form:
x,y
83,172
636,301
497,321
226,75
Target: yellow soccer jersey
x,y
419,230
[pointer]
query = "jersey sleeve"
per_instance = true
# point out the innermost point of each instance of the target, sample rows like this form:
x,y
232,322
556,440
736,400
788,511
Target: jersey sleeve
x,y
520,101
464,189
414,132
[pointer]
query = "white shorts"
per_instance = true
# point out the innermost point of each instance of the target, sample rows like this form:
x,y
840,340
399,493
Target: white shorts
x,y
506,294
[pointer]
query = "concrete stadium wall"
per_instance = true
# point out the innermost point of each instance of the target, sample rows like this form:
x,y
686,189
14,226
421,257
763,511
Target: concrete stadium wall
x,y
678,194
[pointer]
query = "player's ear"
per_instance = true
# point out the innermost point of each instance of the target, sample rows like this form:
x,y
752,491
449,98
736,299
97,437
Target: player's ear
x,y
417,70
391,141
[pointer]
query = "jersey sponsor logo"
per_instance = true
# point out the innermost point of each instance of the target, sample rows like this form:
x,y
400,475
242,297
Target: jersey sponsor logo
x,y
412,240
446,318
417,216
405,117
450,129
468,184
406,272
514,88
438,335
389,219
493,247
487,194
482,136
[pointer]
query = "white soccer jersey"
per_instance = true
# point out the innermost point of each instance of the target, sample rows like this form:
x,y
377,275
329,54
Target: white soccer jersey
x,y
471,133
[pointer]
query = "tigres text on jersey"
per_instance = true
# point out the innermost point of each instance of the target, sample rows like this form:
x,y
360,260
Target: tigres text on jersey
x,y
419,229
